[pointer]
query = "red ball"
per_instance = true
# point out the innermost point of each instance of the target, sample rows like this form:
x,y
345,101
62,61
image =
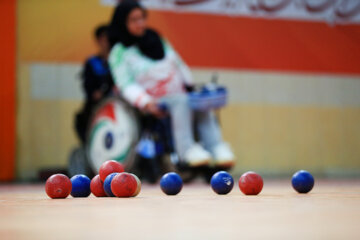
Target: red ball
x,y
123,185
58,186
109,167
138,188
251,183
97,187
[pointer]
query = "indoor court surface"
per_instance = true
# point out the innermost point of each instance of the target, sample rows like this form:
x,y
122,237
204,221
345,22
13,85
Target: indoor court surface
x,y
330,211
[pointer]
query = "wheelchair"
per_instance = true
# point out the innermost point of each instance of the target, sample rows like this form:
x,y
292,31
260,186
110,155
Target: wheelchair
x,y
141,142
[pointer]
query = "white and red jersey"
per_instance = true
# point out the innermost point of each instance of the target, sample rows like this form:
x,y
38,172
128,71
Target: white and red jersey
x,y
142,79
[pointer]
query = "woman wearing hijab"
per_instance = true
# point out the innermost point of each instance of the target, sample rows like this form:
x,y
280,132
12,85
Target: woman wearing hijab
x,y
148,71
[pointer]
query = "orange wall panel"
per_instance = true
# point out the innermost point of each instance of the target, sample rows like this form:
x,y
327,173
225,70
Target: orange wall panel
x,y
257,43
203,40
7,89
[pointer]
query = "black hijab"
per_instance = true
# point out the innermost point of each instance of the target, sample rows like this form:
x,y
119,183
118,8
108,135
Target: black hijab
x,y
149,44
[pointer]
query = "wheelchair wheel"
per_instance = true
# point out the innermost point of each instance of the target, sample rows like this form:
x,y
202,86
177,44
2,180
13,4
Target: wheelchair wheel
x,y
113,134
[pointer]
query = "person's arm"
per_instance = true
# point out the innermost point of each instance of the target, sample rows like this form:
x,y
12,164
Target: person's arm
x,y
124,79
88,80
91,84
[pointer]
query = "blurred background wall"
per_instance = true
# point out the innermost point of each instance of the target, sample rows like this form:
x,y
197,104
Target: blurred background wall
x,y
294,80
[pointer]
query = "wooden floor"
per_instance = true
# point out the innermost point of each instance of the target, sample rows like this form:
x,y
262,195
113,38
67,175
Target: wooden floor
x,y
330,211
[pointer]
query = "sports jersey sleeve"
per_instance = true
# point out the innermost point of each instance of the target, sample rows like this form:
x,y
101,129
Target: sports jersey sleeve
x,y
89,80
125,80
181,65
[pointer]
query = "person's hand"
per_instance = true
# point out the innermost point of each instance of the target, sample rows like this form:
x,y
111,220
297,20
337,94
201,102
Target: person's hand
x,y
153,108
97,95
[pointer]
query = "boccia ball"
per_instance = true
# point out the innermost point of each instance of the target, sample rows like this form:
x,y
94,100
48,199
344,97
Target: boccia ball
x,y
108,167
251,183
171,183
138,188
107,184
222,182
97,187
123,185
80,186
58,186
302,181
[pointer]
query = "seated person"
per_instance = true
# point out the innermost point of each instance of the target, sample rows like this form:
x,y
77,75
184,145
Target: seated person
x,y
96,80
149,72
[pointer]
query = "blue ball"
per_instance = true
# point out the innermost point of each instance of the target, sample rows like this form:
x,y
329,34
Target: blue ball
x,y
222,182
302,181
107,184
171,183
80,186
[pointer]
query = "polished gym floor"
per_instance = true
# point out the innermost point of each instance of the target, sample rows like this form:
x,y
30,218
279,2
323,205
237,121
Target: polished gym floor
x,y
330,211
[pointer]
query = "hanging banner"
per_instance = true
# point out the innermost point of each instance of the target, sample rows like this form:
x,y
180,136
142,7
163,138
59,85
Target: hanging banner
x,y
331,11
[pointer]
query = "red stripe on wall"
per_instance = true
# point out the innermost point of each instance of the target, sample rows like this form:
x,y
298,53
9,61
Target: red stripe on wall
x,y
255,43
7,90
